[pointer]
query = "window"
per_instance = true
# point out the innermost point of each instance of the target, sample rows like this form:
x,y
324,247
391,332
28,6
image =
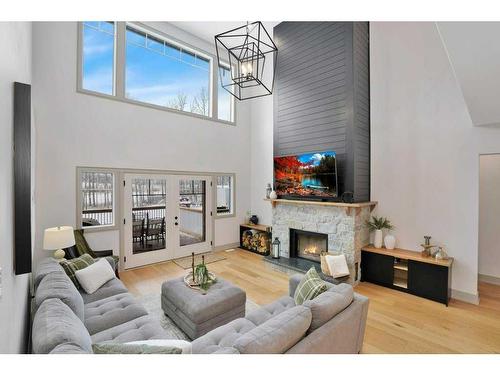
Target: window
x,y
98,57
161,73
96,198
136,64
225,102
225,195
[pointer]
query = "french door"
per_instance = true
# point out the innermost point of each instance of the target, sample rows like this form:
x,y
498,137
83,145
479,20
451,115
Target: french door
x,y
165,217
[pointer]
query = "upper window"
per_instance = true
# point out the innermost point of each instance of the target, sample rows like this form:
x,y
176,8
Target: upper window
x,y
225,189
159,72
97,198
98,57
136,64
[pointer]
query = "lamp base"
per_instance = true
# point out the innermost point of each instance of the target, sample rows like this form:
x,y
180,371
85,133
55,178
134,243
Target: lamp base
x,y
59,255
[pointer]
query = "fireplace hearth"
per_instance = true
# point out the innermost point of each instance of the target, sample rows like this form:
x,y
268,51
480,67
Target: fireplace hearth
x,y
307,245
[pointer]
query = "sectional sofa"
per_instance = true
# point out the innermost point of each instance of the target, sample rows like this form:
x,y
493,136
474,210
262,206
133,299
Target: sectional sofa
x,y
67,320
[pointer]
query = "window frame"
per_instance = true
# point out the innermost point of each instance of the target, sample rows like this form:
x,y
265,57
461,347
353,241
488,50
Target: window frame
x,y
232,211
119,72
79,220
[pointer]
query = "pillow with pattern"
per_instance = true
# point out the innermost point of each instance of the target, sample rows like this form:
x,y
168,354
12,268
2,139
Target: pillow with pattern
x,y
70,266
309,287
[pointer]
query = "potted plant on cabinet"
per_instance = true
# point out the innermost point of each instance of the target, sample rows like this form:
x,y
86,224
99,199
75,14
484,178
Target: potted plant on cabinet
x,y
377,224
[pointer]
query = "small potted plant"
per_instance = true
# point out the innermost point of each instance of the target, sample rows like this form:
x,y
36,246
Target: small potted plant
x,y
377,224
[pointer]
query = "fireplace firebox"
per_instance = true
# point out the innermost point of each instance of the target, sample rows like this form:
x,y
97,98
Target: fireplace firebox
x,y
307,245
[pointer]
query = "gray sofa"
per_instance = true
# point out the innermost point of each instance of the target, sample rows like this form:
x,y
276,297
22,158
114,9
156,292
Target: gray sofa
x,y
67,320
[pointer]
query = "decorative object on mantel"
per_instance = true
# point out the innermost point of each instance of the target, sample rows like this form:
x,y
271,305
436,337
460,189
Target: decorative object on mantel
x,y
427,251
245,49
377,224
273,195
199,277
276,248
269,189
254,219
441,254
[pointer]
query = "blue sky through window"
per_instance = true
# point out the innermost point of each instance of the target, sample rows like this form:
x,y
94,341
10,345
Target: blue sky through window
x,y
98,56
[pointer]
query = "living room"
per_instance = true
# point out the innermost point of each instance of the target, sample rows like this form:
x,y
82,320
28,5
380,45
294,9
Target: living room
x,y
187,190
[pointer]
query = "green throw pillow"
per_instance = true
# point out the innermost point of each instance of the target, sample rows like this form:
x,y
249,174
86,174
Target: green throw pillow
x,y
70,266
134,349
309,287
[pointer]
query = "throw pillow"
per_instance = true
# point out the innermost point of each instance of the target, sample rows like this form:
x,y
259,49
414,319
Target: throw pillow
x,y
70,266
185,346
112,348
309,287
94,276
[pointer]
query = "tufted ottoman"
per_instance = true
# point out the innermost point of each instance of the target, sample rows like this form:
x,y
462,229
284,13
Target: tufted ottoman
x,y
196,313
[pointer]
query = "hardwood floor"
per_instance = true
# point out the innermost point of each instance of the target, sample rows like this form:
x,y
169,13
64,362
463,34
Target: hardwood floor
x,y
397,322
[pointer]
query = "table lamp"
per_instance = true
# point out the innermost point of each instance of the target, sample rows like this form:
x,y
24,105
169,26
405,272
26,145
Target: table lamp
x,y
57,239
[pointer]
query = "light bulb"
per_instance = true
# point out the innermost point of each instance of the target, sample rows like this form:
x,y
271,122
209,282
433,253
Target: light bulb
x,y
244,69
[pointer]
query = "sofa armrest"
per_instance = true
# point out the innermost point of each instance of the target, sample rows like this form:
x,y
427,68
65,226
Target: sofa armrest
x,y
103,253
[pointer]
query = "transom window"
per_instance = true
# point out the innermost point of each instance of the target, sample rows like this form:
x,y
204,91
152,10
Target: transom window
x,y
152,69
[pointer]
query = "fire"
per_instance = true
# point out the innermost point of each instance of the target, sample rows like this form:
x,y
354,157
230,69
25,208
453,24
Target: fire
x,y
311,250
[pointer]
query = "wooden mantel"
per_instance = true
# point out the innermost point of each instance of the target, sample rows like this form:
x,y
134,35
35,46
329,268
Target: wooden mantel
x,y
347,206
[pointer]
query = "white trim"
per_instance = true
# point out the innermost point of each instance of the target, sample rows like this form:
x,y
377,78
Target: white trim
x,y
465,297
489,279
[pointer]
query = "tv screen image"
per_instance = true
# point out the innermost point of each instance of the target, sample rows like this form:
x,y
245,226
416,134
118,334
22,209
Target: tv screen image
x,y
311,175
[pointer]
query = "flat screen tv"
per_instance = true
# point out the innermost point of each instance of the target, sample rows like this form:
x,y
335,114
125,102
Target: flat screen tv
x,y
306,176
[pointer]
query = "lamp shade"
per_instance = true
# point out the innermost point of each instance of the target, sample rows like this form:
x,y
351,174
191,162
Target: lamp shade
x,y
58,238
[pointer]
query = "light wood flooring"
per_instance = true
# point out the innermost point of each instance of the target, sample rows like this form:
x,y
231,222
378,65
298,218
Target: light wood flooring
x,y
397,322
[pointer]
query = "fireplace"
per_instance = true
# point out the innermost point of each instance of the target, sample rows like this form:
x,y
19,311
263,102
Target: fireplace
x,y
307,245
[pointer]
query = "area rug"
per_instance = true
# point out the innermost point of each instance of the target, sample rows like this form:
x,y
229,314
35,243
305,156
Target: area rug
x,y
209,258
152,303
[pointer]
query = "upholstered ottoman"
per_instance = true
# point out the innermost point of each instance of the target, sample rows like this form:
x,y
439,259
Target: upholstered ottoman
x,y
196,313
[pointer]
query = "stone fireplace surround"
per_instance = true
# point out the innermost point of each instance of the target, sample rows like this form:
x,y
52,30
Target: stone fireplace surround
x,y
343,223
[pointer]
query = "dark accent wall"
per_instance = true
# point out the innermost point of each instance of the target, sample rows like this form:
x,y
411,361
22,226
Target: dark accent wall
x,y
321,97
22,177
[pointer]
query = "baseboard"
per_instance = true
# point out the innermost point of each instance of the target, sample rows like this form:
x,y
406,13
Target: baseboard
x,y
465,297
226,247
489,279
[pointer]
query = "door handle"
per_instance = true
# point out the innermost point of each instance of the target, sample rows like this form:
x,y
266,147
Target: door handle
x,y
176,223
176,218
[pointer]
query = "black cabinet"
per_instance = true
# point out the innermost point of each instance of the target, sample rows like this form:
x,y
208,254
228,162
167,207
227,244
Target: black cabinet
x,y
429,281
409,272
377,268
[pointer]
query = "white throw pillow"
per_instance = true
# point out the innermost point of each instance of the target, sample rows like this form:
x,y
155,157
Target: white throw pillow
x,y
94,276
184,345
337,265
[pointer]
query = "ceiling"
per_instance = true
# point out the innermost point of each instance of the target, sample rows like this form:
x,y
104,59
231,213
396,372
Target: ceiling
x,y
207,30
474,53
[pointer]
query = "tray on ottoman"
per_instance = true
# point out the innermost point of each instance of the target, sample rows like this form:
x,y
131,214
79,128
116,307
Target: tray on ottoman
x,y
196,313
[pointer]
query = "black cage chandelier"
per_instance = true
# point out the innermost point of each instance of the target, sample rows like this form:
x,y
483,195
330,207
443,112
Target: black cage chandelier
x,y
246,58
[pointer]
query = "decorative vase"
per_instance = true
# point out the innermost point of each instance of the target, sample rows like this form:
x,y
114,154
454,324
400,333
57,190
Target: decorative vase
x,y
377,241
273,195
254,219
269,189
390,242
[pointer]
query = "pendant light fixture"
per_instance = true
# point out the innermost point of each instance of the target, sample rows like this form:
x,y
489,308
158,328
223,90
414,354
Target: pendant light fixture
x,y
246,58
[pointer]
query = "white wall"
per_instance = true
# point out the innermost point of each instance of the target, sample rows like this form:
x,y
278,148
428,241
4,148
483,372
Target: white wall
x,y
15,65
82,130
489,216
425,150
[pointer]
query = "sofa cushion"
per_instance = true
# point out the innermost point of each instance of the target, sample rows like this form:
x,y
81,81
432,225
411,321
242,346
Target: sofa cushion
x,y
112,311
95,275
142,328
264,313
56,324
68,348
46,266
114,348
70,266
58,285
111,288
278,334
309,287
328,304
221,338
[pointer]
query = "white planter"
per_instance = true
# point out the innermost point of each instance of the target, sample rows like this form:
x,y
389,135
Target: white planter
x,y
390,242
273,195
377,241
